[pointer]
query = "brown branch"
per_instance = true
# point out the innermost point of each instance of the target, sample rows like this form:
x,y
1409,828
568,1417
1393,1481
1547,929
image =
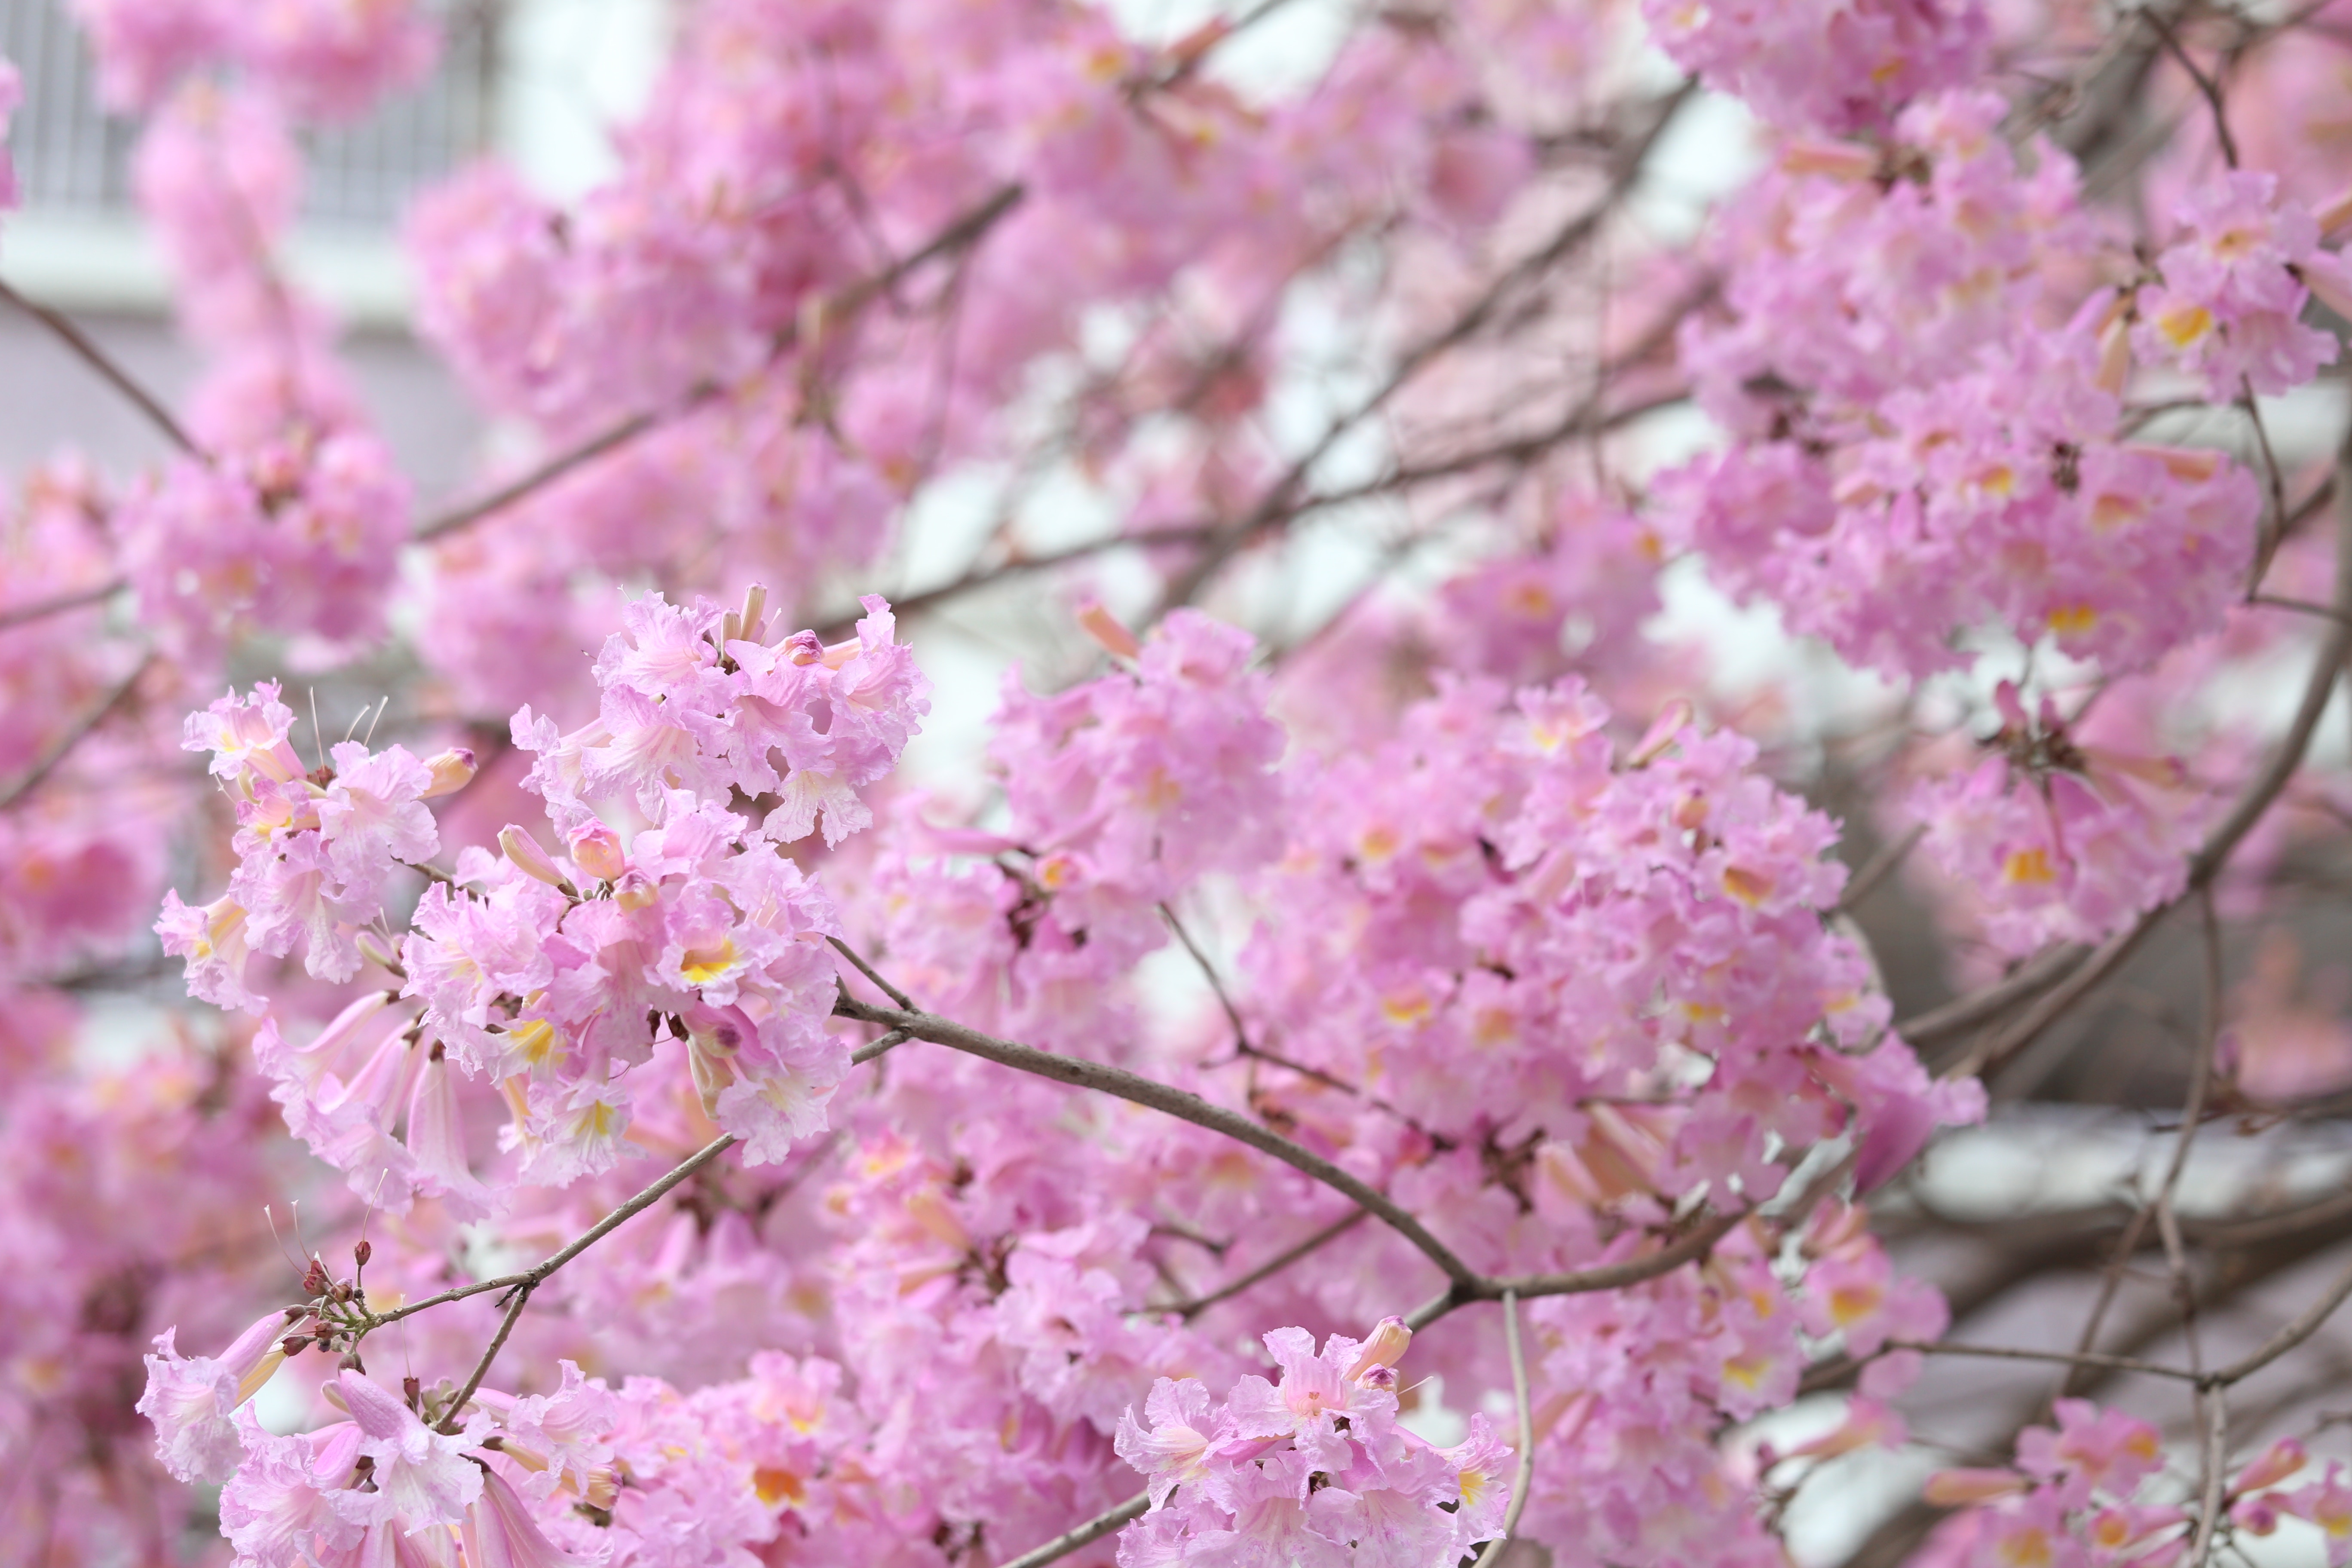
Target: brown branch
x,y
1273,1266
481,1368
1962,1014
61,604
1086,1534
73,735
1137,1089
1690,1248
104,363
1526,1474
532,1277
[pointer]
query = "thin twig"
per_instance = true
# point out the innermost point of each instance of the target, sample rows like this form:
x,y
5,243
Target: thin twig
x,y
1962,1014
2212,1405
2062,1358
481,1368
532,1277
1273,1266
1275,502
872,973
1209,974
1086,1534
2307,1324
1876,869
2212,89
1137,1089
1690,1248
99,359
72,736
1526,1470
61,604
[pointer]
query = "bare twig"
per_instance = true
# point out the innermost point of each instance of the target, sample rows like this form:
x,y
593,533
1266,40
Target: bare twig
x,y
871,974
2211,88
99,359
1137,1089
1275,1264
2062,1358
1526,1470
2305,1324
1876,869
532,1277
1086,1534
73,735
61,604
449,1422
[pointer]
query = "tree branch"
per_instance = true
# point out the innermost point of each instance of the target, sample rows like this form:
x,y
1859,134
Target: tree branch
x,y
1137,1089
99,359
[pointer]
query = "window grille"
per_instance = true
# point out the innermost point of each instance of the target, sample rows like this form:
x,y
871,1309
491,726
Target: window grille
x,y
73,159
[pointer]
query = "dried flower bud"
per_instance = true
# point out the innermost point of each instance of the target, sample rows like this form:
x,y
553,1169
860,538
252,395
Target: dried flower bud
x,y
1108,630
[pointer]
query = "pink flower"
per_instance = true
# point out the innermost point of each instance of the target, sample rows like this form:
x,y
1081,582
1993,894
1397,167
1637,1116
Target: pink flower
x,y
194,1401
421,1477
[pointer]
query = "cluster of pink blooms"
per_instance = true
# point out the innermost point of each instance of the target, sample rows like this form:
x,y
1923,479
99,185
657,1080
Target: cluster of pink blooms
x,y
1311,1470
2086,1495
1460,896
1836,64
2065,840
323,58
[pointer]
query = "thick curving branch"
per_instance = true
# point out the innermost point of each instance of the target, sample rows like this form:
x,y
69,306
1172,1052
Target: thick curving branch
x,y
1137,1089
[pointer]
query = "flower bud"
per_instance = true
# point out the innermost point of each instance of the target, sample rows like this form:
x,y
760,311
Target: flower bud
x,y
527,857
452,771
375,949
361,1251
1384,1348
2191,464
1106,630
2273,1465
2336,214
1952,1488
597,850
1839,160
634,890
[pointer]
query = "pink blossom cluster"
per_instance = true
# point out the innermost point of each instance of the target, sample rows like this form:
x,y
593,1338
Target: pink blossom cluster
x,y
297,535
2228,300
1921,447
1838,65
724,280
1121,794
2079,1496
322,58
314,847
1313,1469
2059,839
